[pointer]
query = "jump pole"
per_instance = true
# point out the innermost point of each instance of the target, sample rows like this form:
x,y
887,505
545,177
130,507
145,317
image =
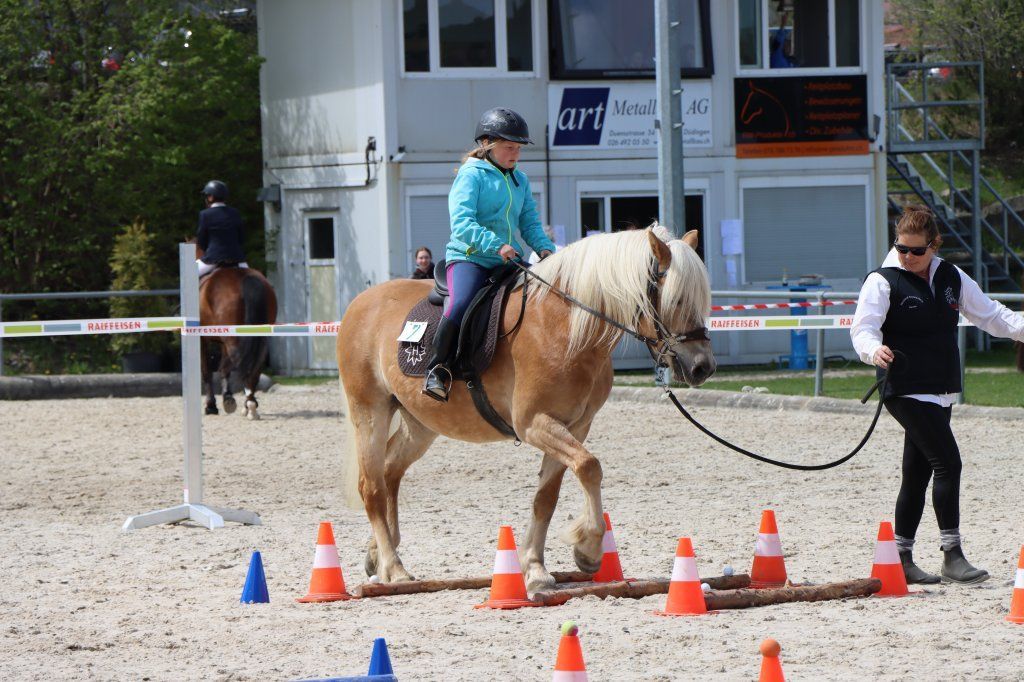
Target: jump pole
x,y
193,508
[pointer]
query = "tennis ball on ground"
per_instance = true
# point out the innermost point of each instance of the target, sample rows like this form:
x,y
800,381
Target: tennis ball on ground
x,y
569,628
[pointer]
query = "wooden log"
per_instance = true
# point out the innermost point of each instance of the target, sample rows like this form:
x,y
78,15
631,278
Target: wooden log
x,y
640,588
630,589
743,598
423,586
419,586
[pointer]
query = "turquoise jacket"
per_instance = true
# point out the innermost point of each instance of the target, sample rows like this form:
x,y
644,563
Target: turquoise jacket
x,y
486,208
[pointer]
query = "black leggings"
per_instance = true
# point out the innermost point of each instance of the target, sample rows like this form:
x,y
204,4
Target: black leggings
x,y
928,446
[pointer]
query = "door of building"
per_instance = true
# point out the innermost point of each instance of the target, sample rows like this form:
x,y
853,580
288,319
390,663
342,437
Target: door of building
x,y
322,283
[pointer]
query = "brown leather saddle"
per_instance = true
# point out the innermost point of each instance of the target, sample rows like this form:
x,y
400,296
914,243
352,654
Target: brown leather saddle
x,y
478,335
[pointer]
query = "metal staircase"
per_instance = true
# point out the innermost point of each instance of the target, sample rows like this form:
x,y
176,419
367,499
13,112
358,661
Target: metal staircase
x,y
916,141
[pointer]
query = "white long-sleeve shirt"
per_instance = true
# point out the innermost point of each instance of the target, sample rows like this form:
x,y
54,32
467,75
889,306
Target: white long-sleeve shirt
x,y
982,311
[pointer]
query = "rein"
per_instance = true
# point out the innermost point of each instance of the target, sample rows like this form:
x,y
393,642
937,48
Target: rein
x,y
701,334
664,336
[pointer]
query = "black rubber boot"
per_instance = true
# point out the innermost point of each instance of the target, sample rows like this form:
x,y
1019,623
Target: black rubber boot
x,y
956,568
914,574
434,385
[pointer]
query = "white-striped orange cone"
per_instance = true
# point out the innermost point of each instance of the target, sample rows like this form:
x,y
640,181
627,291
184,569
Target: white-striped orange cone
x,y
569,665
611,569
769,569
1017,602
508,589
685,598
887,567
326,583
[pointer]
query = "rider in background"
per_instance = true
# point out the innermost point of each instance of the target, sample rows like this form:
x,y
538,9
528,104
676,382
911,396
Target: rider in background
x,y
220,231
489,201
911,306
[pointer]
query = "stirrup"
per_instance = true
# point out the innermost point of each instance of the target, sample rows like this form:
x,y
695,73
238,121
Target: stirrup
x,y
438,393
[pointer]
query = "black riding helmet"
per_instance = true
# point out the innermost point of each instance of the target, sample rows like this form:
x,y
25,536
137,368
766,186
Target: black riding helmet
x,y
504,124
216,189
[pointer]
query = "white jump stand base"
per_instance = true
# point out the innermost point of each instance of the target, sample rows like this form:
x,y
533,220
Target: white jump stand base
x,y
210,517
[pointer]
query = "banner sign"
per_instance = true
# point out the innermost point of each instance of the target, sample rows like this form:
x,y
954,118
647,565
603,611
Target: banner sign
x,y
622,115
801,116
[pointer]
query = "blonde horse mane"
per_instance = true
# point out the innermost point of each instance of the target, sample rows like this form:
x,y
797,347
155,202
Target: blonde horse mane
x,y
611,273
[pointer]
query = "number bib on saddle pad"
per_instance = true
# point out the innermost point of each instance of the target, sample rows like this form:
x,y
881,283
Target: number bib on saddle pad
x,y
478,336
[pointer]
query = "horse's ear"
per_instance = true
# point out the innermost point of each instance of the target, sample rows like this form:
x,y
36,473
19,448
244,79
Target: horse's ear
x,y
690,239
660,249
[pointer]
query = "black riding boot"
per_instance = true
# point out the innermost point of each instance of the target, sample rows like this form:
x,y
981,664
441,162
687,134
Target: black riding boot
x,y
434,385
913,573
956,568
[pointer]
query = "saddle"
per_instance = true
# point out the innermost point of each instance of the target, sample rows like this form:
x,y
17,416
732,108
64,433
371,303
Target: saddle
x,y
478,335
217,267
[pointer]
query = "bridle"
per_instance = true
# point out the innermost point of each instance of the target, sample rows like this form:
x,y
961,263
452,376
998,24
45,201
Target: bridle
x,y
660,347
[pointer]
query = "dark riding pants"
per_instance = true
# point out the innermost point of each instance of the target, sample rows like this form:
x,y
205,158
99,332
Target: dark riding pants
x,y
929,448
464,280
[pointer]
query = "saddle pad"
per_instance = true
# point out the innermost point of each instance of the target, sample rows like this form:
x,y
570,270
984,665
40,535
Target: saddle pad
x,y
477,338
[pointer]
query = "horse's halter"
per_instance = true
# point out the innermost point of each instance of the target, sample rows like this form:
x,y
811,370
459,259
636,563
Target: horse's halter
x,y
662,347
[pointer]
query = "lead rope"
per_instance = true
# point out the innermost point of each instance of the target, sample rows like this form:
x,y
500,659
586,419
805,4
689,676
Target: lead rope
x,y
879,385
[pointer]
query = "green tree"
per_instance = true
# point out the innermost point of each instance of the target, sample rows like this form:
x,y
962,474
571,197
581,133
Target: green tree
x,y
89,145
978,30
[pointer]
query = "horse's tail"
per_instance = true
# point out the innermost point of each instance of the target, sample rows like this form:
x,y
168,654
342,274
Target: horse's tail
x,y
252,350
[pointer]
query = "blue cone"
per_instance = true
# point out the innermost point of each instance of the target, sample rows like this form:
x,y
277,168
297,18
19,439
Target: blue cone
x,y
380,662
255,590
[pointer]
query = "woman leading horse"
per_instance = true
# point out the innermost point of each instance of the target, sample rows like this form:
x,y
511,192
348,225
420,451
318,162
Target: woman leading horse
x,y
549,377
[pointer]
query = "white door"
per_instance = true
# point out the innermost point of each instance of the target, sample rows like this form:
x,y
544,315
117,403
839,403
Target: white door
x,y
322,283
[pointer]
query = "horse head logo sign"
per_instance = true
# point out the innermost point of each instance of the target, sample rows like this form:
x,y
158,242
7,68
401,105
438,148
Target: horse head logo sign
x,y
581,116
763,111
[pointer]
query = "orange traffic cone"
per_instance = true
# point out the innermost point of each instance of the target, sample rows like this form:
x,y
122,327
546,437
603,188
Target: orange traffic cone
x,y
508,589
611,569
887,566
1017,603
326,583
771,666
769,569
685,597
569,666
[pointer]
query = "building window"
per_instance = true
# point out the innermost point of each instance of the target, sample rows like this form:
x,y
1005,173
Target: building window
x,y
633,211
592,39
321,238
798,34
455,36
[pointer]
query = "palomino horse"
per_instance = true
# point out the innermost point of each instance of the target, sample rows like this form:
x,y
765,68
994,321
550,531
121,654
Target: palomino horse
x,y
548,379
231,296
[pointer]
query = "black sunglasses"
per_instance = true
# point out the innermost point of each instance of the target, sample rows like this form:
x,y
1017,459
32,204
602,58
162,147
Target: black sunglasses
x,y
916,250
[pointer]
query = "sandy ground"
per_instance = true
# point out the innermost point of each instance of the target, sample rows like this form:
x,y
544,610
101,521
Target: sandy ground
x,y
81,600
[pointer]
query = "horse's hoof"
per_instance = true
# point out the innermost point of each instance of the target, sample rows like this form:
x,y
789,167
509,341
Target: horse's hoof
x,y
212,409
540,583
229,404
253,415
585,563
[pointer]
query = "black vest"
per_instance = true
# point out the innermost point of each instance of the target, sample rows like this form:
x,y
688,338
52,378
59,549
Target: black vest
x,y
924,327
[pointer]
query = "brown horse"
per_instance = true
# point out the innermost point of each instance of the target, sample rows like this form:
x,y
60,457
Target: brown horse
x,y
231,296
548,379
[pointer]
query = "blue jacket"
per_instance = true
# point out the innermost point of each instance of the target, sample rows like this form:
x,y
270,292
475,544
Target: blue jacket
x,y
220,235
486,208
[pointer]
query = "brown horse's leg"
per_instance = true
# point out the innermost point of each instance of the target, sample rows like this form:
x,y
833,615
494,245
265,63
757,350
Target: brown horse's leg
x,y
205,347
404,447
544,501
585,533
370,423
228,361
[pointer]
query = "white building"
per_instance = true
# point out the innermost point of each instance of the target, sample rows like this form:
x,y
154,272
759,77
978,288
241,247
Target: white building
x,y
369,104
